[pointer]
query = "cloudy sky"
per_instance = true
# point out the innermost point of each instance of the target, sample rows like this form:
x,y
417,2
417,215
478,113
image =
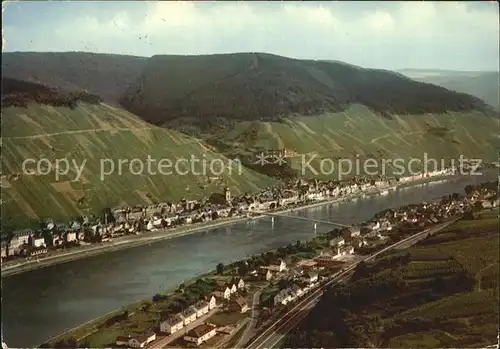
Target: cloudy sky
x,y
391,35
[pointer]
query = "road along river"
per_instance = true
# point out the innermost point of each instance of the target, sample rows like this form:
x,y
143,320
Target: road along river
x,y
42,303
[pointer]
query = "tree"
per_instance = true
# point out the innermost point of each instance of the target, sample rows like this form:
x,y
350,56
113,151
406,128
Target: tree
x,y
215,215
243,269
284,283
220,269
298,244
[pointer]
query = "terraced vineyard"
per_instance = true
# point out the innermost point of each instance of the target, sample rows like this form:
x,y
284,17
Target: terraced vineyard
x,y
437,294
421,269
92,133
465,252
358,133
458,306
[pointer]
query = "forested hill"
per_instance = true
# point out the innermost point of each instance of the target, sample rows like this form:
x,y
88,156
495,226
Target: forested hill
x,y
257,86
16,93
206,89
103,74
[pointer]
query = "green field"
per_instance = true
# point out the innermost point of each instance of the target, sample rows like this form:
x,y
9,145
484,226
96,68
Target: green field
x,y
95,132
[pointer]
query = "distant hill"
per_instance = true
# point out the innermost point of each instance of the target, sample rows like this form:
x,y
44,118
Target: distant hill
x,y
105,75
17,93
92,131
484,85
256,86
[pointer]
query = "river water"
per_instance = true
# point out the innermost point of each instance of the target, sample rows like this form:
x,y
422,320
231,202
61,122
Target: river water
x,y
39,304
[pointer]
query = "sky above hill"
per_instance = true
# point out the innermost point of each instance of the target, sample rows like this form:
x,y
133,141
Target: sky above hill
x,y
390,35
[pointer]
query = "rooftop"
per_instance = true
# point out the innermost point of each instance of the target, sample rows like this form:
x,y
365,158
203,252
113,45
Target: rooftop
x,y
200,330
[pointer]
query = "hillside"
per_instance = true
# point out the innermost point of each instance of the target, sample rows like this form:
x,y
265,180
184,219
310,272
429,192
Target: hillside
x,y
484,85
91,132
358,133
442,293
256,86
246,103
105,75
251,102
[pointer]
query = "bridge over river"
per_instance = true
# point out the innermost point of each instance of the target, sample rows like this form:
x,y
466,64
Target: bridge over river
x,y
312,220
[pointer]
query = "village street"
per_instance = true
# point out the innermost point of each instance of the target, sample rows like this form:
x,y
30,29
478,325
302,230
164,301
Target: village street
x,y
255,315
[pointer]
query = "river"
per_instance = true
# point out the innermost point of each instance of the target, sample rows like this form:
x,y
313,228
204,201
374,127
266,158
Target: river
x,y
42,303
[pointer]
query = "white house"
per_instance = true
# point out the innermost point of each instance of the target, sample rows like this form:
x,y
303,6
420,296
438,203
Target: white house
x,y
351,232
212,303
142,340
39,242
202,308
240,304
5,250
278,265
311,277
200,334
189,315
232,288
70,236
264,274
158,223
56,240
348,249
385,225
20,238
283,296
297,291
222,292
240,284
337,242
172,324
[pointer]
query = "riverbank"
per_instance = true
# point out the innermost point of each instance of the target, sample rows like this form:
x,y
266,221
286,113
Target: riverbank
x,y
90,327
131,241
119,244
139,240
131,308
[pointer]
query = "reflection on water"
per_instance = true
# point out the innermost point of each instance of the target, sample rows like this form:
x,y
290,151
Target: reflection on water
x,y
48,301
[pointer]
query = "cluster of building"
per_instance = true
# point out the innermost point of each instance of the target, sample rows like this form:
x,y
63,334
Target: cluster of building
x,y
174,324
300,281
134,220
139,341
300,285
409,217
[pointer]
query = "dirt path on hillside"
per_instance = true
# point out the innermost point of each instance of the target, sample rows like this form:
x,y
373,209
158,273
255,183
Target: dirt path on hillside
x,y
82,131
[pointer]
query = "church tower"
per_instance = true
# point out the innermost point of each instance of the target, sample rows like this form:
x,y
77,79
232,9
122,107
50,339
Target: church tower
x,y
227,194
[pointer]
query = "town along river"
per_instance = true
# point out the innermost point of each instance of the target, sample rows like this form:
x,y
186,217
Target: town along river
x,y
43,303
